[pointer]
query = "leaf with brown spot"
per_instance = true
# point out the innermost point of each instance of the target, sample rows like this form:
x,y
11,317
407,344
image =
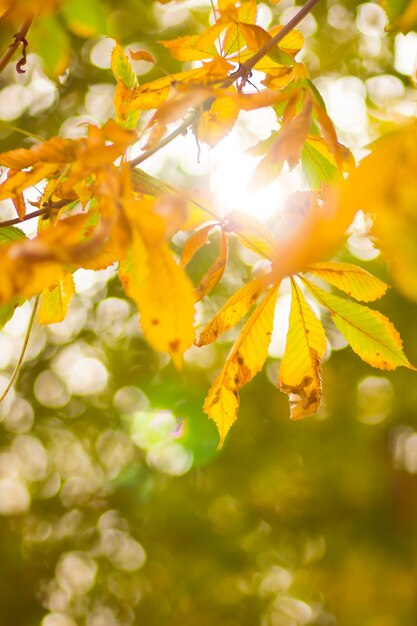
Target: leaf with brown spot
x,y
300,369
246,359
159,287
165,299
232,311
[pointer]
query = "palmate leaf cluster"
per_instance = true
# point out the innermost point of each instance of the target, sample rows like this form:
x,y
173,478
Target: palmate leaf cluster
x,y
97,208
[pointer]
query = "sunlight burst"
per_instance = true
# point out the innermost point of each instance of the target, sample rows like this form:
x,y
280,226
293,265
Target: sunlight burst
x,y
232,169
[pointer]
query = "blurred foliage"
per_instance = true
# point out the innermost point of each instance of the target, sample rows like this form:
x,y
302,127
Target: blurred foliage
x,y
115,507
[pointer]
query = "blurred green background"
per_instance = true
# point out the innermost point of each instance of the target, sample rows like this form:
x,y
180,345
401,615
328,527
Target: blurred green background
x,y
115,508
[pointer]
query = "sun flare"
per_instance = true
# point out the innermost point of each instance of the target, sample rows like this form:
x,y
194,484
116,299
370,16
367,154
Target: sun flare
x,y
231,172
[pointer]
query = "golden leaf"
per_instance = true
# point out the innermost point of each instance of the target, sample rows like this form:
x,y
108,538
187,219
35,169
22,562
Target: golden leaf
x,y
195,47
287,147
234,39
150,275
55,300
292,42
265,98
385,186
177,105
98,153
19,204
215,272
164,296
218,121
55,150
23,279
151,95
253,234
232,311
300,369
122,68
255,36
196,241
19,181
354,280
246,359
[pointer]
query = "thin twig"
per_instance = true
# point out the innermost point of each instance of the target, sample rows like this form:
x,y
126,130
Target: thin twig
x,y
23,350
182,128
29,216
19,38
47,206
242,72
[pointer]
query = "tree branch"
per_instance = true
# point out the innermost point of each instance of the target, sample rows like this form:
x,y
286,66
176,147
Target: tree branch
x,y
180,130
241,72
19,38
247,67
29,216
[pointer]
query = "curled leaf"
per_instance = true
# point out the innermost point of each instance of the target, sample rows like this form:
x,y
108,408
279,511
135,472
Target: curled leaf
x,y
196,241
232,311
215,272
141,55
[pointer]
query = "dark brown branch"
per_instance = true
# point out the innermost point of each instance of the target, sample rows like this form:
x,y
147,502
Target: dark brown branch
x,y
46,207
19,38
29,216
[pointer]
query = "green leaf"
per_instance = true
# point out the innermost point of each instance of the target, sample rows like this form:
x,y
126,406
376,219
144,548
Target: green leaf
x,y
370,334
122,68
317,168
314,92
50,41
281,57
85,18
401,13
9,234
6,313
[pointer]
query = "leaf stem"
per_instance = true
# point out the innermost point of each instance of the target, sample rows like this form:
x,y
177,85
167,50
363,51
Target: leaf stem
x,y
23,350
19,38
